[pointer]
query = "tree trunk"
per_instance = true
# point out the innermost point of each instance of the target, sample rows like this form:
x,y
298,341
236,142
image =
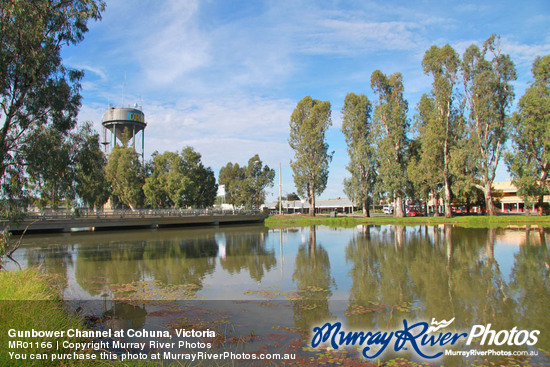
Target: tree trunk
x,y
540,209
543,184
366,210
448,210
436,206
311,200
398,210
489,204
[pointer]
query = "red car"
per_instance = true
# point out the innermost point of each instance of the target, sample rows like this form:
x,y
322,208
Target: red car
x,y
414,213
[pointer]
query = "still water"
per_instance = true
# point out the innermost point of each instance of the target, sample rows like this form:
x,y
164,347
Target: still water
x,y
371,277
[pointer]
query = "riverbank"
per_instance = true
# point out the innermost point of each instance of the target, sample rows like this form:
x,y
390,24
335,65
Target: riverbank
x,y
473,221
30,300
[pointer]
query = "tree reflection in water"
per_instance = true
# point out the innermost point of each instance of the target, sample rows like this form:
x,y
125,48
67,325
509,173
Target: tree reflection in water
x,y
445,273
313,282
476,276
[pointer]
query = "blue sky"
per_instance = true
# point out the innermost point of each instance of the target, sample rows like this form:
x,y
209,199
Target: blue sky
x,y
224,76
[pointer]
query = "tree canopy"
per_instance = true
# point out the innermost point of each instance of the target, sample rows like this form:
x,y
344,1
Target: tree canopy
x,y
36,89
180,180
245,185
390,115
360,138
49,167
308,124
125,173
89,164
487,76
529,164
442,127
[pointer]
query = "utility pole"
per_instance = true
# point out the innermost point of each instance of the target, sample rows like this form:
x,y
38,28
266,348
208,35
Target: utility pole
x,y
280,192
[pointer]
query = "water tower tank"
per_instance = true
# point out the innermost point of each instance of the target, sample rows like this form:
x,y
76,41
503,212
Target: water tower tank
x,y
124,124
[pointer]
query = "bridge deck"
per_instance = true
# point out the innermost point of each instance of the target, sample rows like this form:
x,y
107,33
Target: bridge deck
x,y
126,220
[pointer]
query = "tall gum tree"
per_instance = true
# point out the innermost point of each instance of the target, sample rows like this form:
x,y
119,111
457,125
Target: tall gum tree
x,y
308,124
201,188
180,180
36,89
489,92
443,64
530,163
360,138
425,169
89,164
232,177
50,168
258,178
245,185
125,173
390,114
156,188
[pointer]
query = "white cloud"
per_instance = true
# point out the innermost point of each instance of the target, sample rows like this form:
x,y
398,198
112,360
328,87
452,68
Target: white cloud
x,y
90,69
524,53
345,36
176,46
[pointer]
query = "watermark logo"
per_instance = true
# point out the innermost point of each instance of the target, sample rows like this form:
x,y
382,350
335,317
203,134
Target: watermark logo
x,y
439,325
508,337
426,340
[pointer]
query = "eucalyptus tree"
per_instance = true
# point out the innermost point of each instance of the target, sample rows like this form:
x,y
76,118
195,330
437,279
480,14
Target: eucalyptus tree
x,y
308,124
180,180
390,114
257,178
89,165
360,138
443,128
487,76
49,168
125,174
464,168
245,185
530,163
425,169
232,176
36,89
159,188
201,188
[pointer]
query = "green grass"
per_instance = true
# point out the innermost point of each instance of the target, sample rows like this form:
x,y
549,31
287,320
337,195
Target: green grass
x,y
29,300
26,285
464,221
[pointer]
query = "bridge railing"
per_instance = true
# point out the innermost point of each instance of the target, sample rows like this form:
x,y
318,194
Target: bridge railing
x,y
138,213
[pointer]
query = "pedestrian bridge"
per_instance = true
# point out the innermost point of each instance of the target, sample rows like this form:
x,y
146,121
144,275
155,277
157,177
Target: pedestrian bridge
x,y
127,219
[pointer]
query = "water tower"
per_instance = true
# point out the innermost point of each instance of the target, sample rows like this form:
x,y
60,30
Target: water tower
x,y
124,124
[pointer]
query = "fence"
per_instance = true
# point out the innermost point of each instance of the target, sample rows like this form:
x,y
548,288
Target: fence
x,y
138,213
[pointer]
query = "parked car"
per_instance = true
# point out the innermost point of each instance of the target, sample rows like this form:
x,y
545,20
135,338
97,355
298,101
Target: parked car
x,y
387,209
414,213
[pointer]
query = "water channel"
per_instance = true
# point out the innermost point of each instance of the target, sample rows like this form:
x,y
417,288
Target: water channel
x,y
277,284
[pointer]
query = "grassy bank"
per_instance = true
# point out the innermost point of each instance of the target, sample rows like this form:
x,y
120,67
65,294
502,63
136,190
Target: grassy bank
x,y
28,300
277,221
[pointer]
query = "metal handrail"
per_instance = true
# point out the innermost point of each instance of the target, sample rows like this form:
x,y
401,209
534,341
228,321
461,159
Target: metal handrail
x,y
137,213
